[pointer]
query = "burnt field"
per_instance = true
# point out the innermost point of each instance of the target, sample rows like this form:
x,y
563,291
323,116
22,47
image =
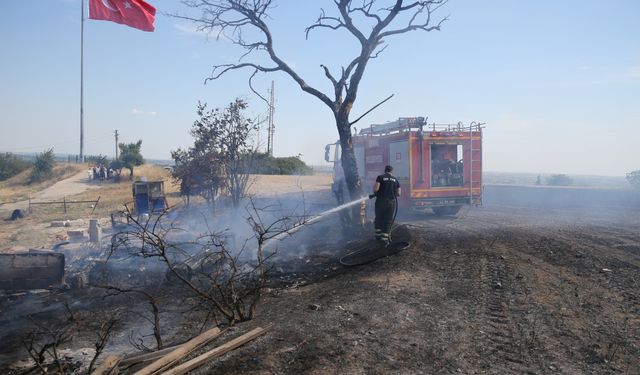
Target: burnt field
x,y
538,281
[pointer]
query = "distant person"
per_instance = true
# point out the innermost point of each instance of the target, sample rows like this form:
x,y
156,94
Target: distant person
x,y
386,190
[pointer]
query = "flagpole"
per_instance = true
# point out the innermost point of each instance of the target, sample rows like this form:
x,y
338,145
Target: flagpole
x,y
82,81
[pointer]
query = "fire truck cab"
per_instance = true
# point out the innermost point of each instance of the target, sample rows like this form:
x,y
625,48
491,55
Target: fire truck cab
x,y
439,166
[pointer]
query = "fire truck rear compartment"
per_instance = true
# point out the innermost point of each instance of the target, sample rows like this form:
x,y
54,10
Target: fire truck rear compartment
x,y
447,165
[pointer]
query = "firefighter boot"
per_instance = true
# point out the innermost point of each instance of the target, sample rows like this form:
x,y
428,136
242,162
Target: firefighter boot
x,y
379,235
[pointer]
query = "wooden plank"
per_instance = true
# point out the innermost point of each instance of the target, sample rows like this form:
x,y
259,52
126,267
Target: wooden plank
x,y
217,352
179,353
144,357
106,367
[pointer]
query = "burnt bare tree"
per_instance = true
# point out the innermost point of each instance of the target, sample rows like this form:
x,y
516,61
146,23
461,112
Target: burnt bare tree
x,y
228,280
153,302
44,342
101,342
369,22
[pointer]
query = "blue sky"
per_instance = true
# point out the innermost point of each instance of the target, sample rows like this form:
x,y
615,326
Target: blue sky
x,y
557,82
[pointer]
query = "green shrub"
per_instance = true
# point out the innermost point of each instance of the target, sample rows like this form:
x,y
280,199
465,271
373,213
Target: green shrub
x,y
96,159
291,165
559,180
43,166
11,165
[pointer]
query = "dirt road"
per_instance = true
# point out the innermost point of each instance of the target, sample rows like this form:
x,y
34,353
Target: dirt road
x,y
75,184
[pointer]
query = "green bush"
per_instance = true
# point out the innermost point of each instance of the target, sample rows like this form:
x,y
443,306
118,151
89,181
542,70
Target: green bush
x,y
559,180
11,165
96,159
291,165
43,166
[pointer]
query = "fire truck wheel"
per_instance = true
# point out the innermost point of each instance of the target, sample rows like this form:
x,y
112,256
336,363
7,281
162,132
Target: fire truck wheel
x,y
446,211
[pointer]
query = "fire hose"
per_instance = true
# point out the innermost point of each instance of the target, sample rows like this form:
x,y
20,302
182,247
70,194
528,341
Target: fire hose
x,y
364,255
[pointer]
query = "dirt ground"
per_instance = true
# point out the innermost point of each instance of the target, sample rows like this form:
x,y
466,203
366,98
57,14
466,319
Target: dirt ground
x,y
497,290
537,281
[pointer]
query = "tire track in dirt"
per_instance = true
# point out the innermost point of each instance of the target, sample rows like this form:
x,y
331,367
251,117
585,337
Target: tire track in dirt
x,y
588,316
505,315
482,272
601,257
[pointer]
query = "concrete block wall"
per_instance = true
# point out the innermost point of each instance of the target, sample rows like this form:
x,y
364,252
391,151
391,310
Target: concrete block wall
x,y
31,270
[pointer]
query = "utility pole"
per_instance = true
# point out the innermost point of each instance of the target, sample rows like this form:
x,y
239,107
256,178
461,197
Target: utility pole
x,y
116,134
81,81
271,128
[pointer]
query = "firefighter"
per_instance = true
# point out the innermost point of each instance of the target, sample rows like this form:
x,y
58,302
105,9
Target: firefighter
x,y
386,190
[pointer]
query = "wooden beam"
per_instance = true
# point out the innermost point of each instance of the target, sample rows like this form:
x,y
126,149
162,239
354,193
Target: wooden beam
x,y
131,359
217,352
106,367
180,352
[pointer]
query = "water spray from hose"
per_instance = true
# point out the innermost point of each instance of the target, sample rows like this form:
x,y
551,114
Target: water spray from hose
x,y
318,217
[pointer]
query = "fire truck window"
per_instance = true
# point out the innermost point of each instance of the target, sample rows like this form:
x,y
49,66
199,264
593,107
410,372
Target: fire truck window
x,y
447,165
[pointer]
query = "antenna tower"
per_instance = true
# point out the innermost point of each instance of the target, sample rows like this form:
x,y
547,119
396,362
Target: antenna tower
x,y
271,128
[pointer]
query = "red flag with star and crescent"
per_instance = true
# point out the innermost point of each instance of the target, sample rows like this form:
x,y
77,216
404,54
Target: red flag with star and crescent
x,y
135,13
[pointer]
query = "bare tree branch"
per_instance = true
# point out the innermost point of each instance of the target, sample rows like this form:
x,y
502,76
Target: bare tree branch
x,y
372,108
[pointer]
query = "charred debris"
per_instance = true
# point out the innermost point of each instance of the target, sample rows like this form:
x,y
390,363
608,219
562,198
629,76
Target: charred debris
x,y
149,276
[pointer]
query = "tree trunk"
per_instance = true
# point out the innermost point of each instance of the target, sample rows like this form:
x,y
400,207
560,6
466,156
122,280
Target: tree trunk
x,y
350,168
348,160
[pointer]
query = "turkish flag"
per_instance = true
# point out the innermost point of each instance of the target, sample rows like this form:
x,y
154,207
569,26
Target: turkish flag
x,y
134,13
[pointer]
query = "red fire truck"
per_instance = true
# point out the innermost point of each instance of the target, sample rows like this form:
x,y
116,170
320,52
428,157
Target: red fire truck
x,y
439,166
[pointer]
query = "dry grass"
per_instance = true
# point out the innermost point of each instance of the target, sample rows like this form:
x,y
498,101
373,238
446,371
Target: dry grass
x,y
113,196
25,233
17,188
35,230
266,185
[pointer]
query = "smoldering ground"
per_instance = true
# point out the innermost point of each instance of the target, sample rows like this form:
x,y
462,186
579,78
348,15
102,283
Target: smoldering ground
x,y
560,230
189,232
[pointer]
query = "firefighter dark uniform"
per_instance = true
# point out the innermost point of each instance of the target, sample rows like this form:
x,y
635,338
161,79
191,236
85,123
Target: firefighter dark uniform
x,y
385,204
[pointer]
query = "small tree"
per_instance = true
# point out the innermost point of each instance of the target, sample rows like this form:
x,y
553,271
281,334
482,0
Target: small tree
x,y
634,179
222,153
130,156
43,166
197,173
